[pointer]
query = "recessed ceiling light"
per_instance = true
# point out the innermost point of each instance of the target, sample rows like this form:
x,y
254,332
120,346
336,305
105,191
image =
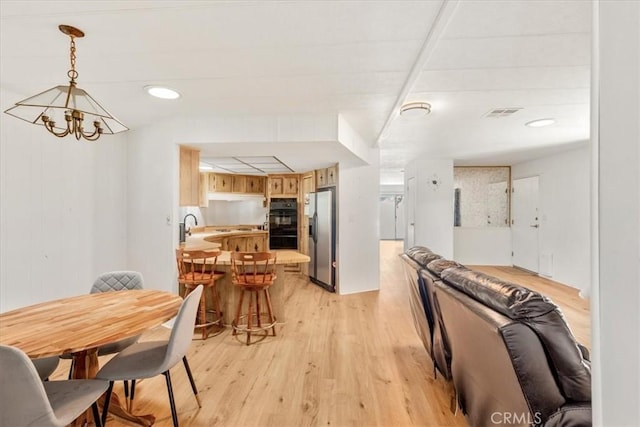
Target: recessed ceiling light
x,y
415,109
540,123
162,92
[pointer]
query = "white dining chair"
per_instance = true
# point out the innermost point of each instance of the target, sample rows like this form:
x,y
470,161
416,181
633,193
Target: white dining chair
x,y
108,282
25,400
45,366
151,358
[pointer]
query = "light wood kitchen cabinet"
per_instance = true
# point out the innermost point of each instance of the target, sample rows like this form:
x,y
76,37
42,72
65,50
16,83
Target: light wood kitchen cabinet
x,y
256,244
189,177
276,185
220,183
238,183
255,184
284,185
204,186
332,176
290,184
245,243
327,177
321,178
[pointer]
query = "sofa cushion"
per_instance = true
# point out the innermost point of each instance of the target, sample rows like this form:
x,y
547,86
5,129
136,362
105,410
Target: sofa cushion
x,y
572,371
438,266
421,255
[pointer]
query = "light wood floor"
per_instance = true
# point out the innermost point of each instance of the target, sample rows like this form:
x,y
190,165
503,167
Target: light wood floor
x,y
351,360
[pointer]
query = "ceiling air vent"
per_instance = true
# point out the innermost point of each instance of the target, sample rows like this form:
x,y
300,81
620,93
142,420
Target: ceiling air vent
x,y
502,112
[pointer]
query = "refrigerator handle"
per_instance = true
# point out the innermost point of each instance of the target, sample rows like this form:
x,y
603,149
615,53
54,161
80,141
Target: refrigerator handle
x,y
315,227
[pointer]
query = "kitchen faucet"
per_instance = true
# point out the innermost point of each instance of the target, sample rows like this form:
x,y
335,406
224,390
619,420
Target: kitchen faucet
x,y
183,229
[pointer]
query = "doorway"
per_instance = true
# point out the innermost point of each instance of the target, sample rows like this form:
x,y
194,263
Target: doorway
x,y
409,240
392,218
525,224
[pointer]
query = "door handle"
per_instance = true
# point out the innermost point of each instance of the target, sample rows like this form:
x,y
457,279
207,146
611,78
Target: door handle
x,y
535,226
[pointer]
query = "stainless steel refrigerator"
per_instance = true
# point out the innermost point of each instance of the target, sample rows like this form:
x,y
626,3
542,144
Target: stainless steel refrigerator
x,y
322,238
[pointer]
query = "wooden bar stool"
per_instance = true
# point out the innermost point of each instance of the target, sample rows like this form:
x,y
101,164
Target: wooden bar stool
x,y
254,273
199,268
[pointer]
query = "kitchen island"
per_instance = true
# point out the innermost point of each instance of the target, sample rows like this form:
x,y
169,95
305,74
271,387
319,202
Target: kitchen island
x,y
229,294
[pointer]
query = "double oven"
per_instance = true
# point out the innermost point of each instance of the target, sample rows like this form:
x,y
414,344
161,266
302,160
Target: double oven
x,y
283,224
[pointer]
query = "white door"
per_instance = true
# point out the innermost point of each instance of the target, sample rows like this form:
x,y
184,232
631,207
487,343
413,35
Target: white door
x,y
411,214
525,224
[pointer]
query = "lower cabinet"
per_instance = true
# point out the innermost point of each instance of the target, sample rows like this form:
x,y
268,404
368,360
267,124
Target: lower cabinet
x,y
245,243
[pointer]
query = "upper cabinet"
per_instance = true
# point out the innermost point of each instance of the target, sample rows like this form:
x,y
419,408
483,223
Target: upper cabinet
x,y
255,184
220,182
189,177
238,183
231,183
284,185
327,177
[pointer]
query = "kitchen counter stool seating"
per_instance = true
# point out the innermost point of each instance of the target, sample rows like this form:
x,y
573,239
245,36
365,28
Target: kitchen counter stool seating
x,y
253,273
151,358
26,400
199,268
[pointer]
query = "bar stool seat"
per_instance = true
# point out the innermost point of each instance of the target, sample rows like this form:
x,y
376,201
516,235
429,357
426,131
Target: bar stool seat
x,y
254,273
198,268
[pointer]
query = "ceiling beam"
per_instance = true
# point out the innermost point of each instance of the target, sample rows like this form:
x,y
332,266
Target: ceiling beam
x,y
447,8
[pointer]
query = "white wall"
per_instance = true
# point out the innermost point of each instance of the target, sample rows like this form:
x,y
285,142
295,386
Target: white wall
x,y
358,228
482,245
564,212
434,204
615,314
153,163
153,191
62,211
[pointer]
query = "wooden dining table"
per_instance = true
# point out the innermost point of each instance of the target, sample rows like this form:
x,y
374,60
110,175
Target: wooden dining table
x,y
79,325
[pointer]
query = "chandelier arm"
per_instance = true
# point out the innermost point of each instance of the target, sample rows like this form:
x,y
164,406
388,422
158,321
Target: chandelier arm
x,y
49,125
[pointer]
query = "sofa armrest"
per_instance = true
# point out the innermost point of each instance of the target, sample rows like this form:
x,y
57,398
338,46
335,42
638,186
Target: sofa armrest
x,y
571,415
585,352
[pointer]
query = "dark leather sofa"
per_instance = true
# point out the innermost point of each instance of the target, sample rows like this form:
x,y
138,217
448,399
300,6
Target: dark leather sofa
x,y
512,358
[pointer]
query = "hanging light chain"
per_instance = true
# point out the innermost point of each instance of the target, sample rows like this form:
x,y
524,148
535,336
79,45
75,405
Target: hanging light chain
x,y
72,73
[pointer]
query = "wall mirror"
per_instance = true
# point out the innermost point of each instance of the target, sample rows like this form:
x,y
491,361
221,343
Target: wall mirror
x,y
481,196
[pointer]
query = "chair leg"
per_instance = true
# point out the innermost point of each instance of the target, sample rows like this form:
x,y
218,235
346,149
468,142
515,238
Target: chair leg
x,y
71,370
202,316
193,383
238,311
126,389
174,415
96,414
258,309
107,399
133,392
249,317
272,318
216,304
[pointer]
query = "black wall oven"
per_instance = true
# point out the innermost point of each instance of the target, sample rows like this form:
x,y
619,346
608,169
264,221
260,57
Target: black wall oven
x,y
283,224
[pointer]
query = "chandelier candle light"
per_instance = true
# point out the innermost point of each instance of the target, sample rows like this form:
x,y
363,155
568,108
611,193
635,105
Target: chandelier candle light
x,y
68,103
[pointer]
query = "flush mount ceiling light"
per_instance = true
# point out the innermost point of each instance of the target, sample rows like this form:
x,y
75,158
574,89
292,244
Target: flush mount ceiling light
x,y
162,92
415,109
540,123
61,109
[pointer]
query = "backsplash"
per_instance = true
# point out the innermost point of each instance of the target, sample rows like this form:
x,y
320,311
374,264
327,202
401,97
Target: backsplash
x,y
226,212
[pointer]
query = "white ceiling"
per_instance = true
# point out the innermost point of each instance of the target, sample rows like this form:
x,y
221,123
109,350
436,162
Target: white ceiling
x,y
361,59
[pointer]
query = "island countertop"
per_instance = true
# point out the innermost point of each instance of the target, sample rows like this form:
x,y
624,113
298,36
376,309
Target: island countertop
x,y
204,240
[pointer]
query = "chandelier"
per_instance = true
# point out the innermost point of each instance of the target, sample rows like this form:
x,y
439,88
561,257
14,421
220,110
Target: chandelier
x,y
62,109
